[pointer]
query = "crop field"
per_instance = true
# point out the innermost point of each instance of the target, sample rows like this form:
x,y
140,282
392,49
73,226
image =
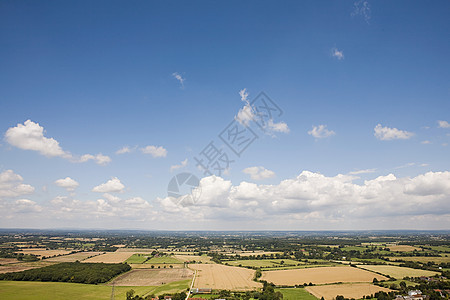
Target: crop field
x,y
5,261
203,258
424,259
397,272
110,257
44,252
23,290
137,258
150,277
348,290
22,266
320,275
224,277
136,250
73,257
403,248
264,263
258,253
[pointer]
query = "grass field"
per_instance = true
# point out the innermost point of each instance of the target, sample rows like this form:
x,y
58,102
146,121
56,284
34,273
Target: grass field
x,y
224,277
163,260
320,275
296,294
397,272
152,277
110,257
137,258
73,257
348,290
25,290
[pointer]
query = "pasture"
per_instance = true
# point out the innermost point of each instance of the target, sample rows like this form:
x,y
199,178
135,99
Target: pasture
x,y
224,277
348,290
322,275
397,272
296,294
152,277
163,260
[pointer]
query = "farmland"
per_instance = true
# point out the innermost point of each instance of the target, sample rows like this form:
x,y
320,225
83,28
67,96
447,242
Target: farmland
x,y
403,248
43,252
224,277
349,290
73,257
111,257
397,272
22,266
296,294
320,275
264,263
152,277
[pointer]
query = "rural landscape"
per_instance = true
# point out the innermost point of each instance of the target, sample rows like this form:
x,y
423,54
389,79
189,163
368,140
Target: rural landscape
x,y
224,265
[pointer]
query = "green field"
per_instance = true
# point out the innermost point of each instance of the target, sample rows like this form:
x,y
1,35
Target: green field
x,y
296,294
26,290
137,259
163,260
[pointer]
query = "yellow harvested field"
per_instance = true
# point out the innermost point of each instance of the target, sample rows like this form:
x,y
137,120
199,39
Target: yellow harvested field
x,y
397,272
110,257
74,257
152,277
135,250
424,259
5,261
320,275
224,277
204,259
348,290
44,252
156,266
22,266
249,253
403,248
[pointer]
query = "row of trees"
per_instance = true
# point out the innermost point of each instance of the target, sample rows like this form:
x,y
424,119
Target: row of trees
x,y
91,273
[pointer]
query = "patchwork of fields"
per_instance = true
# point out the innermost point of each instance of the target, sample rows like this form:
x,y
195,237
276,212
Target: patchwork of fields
x,y
397,272
321,275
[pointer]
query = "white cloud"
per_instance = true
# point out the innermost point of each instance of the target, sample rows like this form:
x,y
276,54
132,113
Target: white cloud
x,y
178,77
258,173
155,151
25,206
365,171
111,186
339,54
182,165
321,131
125,149
278,127
68,183
362,8
11,185
30,136
316,196
425,142
443,124
386,133
247,113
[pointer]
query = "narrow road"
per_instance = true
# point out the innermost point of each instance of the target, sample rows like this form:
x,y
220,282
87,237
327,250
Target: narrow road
x,y
192,285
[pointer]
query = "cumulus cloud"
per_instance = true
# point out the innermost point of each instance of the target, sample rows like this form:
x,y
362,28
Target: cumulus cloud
x,y
111,186
247,113
180,79
426,142
155,151
30,136
321,131
99,159
278,127
362,8
258,173
182,165
68,183
339,54
316,196
386,133
25,206
125,149
365,171
11,185
443,124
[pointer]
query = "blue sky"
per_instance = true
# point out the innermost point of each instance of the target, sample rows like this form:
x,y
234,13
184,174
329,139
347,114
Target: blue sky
x,y
99,76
